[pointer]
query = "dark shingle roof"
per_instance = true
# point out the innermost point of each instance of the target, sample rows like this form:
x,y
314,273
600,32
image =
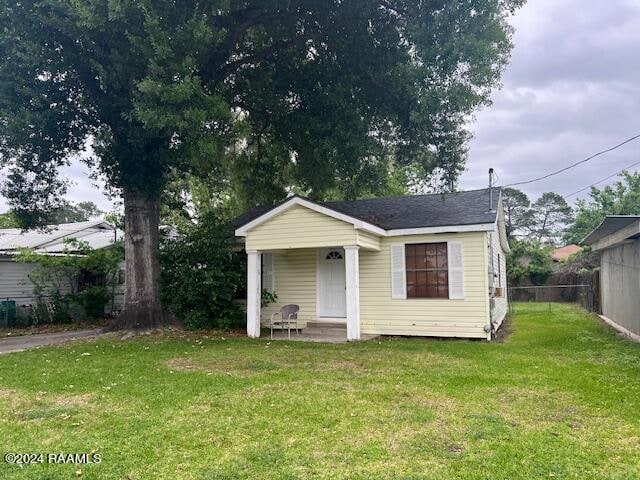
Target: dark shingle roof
x,y
410,211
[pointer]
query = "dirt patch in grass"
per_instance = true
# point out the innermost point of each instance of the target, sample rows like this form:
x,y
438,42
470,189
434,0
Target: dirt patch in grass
x,y
504,332
79,400
342,364
6,393
226,366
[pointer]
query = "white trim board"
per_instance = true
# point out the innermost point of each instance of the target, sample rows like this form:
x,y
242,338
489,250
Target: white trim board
x,y
481,227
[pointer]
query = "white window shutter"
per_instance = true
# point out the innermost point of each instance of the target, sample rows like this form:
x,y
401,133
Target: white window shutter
x,y
456,270
398,275
267,272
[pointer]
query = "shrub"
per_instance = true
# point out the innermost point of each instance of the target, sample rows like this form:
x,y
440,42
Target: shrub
x,y
82,278
203,271
530,260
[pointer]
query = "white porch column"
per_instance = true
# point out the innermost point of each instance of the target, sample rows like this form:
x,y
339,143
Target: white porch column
x,y
254,290
352,266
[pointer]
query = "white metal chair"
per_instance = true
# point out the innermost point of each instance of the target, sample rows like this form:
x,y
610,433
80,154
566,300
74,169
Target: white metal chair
x,y
288,317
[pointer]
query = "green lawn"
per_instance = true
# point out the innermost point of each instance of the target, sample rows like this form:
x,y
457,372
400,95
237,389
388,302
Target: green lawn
x,y
559,398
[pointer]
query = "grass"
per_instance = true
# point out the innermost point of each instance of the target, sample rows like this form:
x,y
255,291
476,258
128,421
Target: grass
x,y
560,398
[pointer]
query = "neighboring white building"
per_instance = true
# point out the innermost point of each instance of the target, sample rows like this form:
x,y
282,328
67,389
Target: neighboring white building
x,y
617,239
14,276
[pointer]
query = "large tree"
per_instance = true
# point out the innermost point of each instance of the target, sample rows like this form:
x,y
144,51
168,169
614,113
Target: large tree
x,y
621,198
268,94
550,214
517,212
70,212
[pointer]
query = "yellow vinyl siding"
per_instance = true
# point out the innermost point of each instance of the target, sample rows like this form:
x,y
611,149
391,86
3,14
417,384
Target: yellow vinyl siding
x,y
501,304
380,314
300,227
368,240
294,276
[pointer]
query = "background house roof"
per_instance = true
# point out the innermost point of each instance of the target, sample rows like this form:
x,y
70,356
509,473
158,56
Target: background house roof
x,y
410,211
610,225
97,233
563,253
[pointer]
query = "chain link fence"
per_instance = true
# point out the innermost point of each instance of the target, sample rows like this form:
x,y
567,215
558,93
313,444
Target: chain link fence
x,y
583,294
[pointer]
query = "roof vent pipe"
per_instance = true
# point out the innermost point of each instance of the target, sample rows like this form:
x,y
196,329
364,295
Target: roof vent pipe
x,y
491,174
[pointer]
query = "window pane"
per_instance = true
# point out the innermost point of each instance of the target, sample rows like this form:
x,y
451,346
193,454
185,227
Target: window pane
x,y
411,284
431,262
426,265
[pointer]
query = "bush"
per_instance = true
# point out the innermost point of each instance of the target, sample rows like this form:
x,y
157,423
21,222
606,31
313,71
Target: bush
x,y
530,260
76,285
203,271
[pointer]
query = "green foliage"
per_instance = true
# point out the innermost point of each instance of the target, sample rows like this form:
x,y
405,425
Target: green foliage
x,y
69,212
549,216
202,273
64,212
528,260
256,97
81,277
622,198
9,220
517,212
543,221
267,298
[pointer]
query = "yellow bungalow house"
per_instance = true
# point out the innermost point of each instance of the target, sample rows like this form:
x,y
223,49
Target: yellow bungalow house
x,y
423,265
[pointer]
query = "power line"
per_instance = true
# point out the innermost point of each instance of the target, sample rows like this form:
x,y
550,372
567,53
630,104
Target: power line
x,y
603,180
635,137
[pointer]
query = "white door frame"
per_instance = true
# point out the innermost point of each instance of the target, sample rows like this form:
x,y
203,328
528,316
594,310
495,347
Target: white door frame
x,y
319,253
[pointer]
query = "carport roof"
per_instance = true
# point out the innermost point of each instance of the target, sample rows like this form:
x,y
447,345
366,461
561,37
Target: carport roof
x,y
609,226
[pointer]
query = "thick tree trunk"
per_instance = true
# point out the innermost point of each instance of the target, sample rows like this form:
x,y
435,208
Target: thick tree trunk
x,y
142,306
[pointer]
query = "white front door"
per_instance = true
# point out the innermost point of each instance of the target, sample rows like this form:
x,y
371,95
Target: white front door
x,y
332,296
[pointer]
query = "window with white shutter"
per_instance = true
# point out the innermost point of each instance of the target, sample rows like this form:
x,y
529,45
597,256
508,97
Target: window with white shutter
x,y
427,270
456,270
267,272
398,274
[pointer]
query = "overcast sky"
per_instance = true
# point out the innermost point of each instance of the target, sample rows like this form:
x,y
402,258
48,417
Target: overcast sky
x,y
572,89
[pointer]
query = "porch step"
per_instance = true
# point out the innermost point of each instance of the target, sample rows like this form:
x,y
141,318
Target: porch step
x,y
330,325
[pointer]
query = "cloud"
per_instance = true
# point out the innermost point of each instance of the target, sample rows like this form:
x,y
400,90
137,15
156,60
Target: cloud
x,y
572,89
82,187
